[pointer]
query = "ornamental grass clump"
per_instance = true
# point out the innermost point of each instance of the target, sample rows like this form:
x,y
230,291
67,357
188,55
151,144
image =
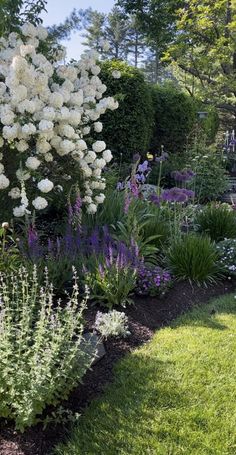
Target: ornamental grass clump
x,y
42,351
217,221
194,258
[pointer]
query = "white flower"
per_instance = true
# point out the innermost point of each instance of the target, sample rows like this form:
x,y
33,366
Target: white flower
x,y
81,145
116,74
40,203
15,193
86,130
4,182
22,175
22,146
56,100
19,211
90,157
48,157
1,142
100,198
99,146
46,125
100,163
45,185
32,163
92,208
107,155
28,128
98,127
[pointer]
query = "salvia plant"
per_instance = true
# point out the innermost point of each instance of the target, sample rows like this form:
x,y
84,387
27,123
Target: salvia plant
x,y
115,278
43,354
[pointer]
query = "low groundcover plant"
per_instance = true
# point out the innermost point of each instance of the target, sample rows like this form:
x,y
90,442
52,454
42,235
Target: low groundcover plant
x,y
42,351
113,323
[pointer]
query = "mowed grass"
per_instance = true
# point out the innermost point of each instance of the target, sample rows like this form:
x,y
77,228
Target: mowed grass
x,y
176,395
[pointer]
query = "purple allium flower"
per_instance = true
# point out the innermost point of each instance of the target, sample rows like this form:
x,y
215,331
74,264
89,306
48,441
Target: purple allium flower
x,y
183,176
155,199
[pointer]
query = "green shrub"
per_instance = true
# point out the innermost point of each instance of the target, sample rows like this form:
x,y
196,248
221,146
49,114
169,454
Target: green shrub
x,y
128,129
217,221
42,351
211,176
175,117
227,256
195,258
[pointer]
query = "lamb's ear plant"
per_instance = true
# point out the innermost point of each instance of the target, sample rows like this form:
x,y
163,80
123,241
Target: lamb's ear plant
x,y
43,354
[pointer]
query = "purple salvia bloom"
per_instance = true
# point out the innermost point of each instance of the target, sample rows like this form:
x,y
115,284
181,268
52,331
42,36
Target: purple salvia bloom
x,y
127,203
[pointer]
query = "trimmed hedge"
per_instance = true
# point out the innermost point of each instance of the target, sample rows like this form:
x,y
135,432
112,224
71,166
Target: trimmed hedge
x,y
150,115
129,129
175,118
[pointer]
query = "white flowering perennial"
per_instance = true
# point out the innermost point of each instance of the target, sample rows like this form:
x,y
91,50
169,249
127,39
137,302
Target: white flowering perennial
x,y
46,110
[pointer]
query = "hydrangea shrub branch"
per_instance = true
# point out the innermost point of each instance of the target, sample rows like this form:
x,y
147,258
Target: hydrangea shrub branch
x,y
49,112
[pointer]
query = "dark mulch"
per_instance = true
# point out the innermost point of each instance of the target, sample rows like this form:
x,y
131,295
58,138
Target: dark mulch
x,y
147,315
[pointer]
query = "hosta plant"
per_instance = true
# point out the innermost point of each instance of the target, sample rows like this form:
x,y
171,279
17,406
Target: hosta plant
x,y
42,351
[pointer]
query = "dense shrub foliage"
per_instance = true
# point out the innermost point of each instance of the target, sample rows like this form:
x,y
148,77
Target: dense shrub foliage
x,y
175,117
129,129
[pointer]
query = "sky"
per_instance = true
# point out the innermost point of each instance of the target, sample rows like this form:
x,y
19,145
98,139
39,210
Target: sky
x,y
58,10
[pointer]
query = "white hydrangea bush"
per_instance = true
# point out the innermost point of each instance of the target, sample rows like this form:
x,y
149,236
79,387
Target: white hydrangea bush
x,y
48,113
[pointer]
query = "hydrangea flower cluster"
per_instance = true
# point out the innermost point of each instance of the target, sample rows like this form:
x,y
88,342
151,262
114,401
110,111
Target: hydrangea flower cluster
x,y
46,110
114,323
153,281
227,255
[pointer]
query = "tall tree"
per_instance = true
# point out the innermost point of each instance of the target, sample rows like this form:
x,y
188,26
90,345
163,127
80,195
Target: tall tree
x,y
157,18
77,20
15,12
137,44
204,51
116,31
94,30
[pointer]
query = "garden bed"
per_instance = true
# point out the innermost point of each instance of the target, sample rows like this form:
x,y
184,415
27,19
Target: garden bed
x,y
147,315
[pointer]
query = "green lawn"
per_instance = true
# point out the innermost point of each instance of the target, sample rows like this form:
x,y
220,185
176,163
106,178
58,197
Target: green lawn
x,y
175,395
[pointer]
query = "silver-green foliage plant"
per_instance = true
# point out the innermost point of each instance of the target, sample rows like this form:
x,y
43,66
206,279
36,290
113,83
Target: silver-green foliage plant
x,y
113,323
42,351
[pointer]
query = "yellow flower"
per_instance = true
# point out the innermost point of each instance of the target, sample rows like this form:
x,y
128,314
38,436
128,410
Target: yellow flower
x,y
150,156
